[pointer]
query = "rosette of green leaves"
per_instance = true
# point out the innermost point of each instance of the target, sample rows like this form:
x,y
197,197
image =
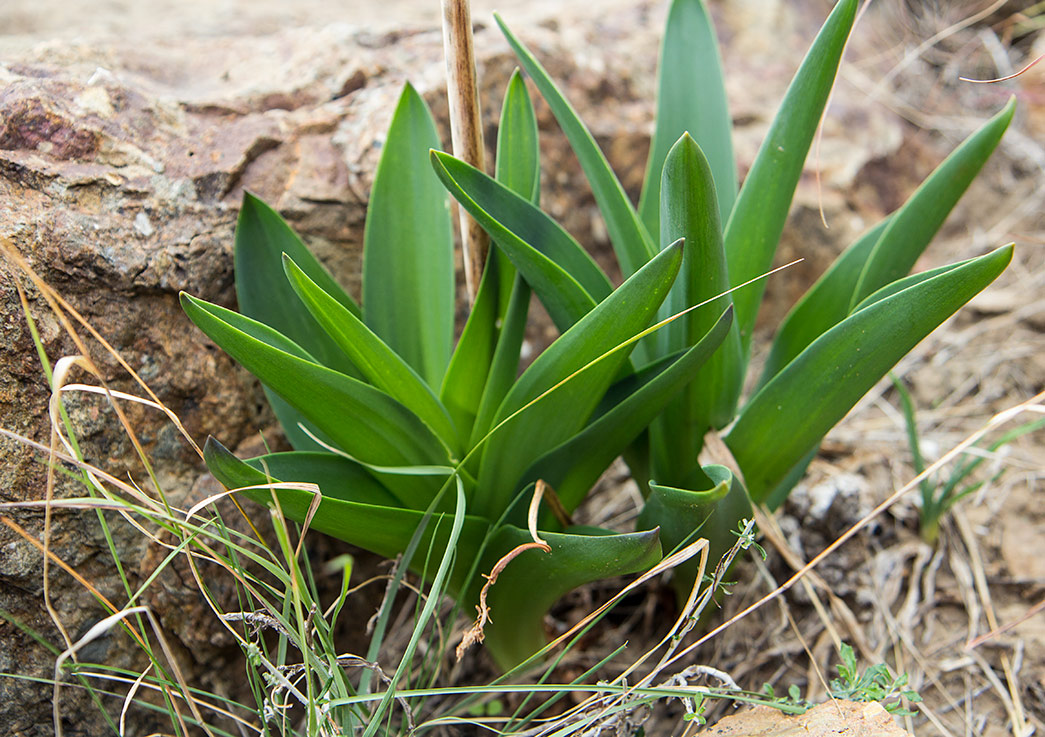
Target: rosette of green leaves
x,y
852,326
394,423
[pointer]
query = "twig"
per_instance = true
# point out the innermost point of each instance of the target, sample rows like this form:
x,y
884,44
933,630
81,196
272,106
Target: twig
x,y
466,132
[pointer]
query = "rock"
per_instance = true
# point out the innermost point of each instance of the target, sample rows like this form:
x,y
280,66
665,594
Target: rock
x,y
123,158
832,718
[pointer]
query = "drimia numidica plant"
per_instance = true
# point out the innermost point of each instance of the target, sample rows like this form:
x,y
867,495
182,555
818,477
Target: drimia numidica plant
x,y
420,445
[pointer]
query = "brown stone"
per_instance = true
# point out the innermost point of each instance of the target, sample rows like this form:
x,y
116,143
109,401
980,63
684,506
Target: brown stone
x,y
832,718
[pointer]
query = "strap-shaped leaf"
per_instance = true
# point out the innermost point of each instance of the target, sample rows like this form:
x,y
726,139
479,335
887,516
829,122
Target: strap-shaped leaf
x,y
379,364
631,242
573,467
469,366
535,580
562,273
691,98
689,210
518,145
684,515
408,263
914,225
792,413
522,435
361,420
753,230
262,237
473,363
337,476
518,166
823,305
382,529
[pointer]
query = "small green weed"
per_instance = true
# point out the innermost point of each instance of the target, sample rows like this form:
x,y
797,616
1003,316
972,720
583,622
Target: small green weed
x,y
939,496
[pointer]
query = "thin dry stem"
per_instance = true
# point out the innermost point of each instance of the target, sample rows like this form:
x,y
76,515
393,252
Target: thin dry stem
x,y
466,131
1035,404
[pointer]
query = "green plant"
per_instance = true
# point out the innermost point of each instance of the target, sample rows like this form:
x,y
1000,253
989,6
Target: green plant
x,y
395,425
855,323
874,684
938,496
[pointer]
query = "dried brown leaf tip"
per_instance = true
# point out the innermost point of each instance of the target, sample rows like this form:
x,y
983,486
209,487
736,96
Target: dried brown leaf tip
x,y
476,633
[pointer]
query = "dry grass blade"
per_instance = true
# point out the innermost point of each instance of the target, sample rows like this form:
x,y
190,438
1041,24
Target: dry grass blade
x,y
1036,405
476,633
977,641
102,628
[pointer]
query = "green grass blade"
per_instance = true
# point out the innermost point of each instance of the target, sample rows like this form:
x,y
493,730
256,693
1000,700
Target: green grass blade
x,y
474,363
382,529
691,97
792,413
754,226
915,224
535,580
523,435
565,277
631,242
823,306
379,364
408,266
440,582
573,467
360,419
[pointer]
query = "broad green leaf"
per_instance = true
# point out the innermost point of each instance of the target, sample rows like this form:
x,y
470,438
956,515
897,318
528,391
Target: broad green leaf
x,y
382,529
505,366
792,413
824,305
379,364
262,237
518,165
684,515
914,225
473,364
337,476
757,219
363,421
631,242
908,281
469,366
408,264
535,580
573,467
520,436
562,273
518,148
691,98
689,210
